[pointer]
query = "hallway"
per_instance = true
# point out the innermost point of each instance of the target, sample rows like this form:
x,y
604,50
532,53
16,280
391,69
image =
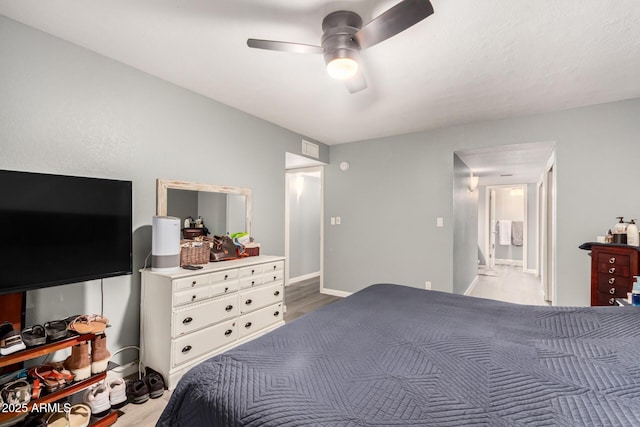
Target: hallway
x,y
510,285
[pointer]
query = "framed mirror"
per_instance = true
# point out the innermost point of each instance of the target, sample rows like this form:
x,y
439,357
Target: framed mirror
x,y
223,209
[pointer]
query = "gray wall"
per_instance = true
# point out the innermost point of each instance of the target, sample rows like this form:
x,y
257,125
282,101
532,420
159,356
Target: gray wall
x,y
465,228
66,110
304,228
396,187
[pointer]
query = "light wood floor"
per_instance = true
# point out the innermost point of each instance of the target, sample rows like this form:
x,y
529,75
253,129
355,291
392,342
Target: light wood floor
x,y
300,299
511,285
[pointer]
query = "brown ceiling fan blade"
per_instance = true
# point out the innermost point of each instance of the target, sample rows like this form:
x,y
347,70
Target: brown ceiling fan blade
x,y
393,21
284,46
356,83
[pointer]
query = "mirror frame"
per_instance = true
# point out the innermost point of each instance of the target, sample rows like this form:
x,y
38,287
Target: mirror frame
x,y
165,184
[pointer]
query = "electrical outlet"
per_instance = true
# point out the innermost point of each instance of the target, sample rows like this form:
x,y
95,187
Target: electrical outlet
x,y
427,285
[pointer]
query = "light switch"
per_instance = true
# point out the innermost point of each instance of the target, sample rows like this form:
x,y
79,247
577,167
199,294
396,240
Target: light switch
x,y
338,220
440,222
333,220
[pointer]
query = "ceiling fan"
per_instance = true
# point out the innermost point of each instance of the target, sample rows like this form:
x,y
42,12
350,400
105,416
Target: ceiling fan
x,y
344,37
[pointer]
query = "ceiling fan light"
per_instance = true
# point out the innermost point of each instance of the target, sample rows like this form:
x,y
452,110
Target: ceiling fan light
x,y
342,68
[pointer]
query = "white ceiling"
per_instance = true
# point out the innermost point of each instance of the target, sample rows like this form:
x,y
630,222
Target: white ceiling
x,y
472,60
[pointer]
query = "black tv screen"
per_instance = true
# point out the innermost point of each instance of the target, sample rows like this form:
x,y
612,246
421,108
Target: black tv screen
x,y
57,229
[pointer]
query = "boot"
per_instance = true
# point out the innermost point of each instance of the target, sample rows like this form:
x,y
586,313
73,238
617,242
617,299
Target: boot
x,y
99,354
78,363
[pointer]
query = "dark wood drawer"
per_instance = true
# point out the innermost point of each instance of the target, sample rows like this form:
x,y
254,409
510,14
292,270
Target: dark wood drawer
x,y
606,299
613,259
619,287
615,269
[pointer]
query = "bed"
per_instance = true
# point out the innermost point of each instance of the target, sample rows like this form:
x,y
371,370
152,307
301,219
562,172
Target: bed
x,y
393,355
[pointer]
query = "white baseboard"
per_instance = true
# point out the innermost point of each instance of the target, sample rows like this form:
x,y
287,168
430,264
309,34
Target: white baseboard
x,y
294,280
335,293
531,271
473,284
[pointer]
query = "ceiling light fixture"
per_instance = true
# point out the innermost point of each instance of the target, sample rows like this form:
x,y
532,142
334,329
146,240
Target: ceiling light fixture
x,y
342,68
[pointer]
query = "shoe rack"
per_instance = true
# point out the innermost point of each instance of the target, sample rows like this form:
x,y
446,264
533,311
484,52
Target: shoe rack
x,y
41,350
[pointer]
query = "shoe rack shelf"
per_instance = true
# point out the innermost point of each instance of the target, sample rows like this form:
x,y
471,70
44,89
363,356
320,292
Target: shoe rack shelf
x,y
32,353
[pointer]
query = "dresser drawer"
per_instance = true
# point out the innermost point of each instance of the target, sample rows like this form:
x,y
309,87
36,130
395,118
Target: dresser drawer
x,y
606,282
614,269
606,299
273,276
190,346
223,276
273,266
197,316
223,288
191,282
260,297
259,319
613,259
254,270
250,282
190,295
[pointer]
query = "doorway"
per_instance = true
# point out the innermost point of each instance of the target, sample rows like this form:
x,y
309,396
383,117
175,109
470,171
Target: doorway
x,y
304,224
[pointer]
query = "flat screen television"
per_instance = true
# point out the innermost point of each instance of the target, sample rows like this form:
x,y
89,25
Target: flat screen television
x,y
57,229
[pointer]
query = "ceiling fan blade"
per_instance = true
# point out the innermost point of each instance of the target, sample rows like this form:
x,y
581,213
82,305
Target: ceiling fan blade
x,y
393,21
284,46
356,83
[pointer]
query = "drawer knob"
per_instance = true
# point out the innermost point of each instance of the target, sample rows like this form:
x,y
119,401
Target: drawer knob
x,y
247,325
226,289
229,307
612,300
193,283
248,302
612,270
186,349
276,313
253,271
187,320
228,332
612,291
612,260
274,278
274,267
226,276
193,297
612,280
276,293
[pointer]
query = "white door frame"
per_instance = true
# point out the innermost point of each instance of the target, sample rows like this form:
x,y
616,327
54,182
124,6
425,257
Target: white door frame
x,y
290,174
491,222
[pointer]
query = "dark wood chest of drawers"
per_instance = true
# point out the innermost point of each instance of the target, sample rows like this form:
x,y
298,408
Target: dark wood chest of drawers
x,y
612,271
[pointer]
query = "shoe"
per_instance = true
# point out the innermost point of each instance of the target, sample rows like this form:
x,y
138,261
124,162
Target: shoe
x,y
10,340
85,324
137,391
16,393
78,362
56,329
117,393
99,354
97,397
34,335
155,383
78,416
52,375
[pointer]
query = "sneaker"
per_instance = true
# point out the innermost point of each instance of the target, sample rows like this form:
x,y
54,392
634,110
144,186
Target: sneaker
x,y
117,393
97,397
10,340
137,391
155,383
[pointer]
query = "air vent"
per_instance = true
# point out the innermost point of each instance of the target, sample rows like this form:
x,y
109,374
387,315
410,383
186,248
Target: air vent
x,y
506,174
310,149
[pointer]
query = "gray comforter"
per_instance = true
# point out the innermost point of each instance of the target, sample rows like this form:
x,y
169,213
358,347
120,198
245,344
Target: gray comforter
x,y
392,355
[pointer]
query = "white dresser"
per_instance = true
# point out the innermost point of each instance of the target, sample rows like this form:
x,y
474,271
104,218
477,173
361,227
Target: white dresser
x,y
189,316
